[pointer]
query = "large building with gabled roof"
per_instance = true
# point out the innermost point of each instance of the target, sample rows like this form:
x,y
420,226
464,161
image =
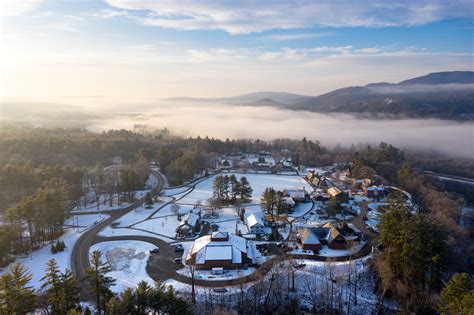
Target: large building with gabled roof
x,y
221,250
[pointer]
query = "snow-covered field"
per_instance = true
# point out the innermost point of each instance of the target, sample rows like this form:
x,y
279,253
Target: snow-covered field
x,y
128,260
258,182
36,263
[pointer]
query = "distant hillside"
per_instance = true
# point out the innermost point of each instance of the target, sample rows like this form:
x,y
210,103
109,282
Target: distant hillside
x,y
442,95
448,95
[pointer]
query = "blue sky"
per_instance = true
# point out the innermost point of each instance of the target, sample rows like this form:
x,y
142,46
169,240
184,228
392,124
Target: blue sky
x,y
146,50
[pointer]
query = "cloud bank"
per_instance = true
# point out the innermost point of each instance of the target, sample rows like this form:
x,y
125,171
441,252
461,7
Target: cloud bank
x,y
223,121
258,16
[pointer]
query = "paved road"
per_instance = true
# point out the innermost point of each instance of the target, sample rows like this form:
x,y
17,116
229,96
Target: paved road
x,y
80,251
161,265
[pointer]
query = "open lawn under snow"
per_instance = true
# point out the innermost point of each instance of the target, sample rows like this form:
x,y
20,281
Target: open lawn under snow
x,y
258,182
128,260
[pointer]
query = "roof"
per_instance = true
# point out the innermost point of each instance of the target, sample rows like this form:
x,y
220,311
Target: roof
x,y
219,252
253,220
210,247
308,237
191,219
334,191
378,188
296,193
333,234
216,236
289,201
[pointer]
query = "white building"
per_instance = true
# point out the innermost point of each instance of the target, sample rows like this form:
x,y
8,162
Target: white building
x,y
255,224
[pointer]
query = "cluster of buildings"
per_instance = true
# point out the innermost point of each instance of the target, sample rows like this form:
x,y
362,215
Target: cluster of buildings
x,y
262,161
339,236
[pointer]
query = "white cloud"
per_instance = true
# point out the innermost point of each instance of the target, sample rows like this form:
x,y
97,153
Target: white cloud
x,y
17,7
107,13
257,16
297,36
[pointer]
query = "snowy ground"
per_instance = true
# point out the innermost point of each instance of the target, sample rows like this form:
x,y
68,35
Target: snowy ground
x,y
208,275
128,260
258,182
312,282
36,263
104,204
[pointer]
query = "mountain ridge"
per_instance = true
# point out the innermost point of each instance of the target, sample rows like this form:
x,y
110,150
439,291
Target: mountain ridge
x,y
448,94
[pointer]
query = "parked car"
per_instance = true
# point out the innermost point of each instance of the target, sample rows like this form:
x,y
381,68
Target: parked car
x,y
178,260
155,250
178,248
214,227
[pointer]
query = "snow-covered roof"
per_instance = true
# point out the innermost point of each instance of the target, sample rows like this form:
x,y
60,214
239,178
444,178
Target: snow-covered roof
x,y
221,246
296,193
308,237
375,188
253,220
289,201
191,219
333,233
219,252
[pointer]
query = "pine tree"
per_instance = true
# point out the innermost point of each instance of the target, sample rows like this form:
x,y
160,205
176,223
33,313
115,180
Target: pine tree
x,y
245,189
98,280
268,202
52,284
226,187
70,290
458,295
217,188
234,187
142,294
280,204
16,297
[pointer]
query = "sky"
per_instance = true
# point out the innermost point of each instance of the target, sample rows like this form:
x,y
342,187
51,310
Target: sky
x,y
97,52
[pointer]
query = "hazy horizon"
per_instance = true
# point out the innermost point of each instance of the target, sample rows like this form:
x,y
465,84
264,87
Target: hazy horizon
x,y
239,121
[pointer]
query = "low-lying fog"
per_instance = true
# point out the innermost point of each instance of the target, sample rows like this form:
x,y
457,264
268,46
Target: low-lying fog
x,y
225,121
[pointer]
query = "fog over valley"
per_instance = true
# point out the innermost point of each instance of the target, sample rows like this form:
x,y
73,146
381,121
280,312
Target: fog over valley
x,y
230,121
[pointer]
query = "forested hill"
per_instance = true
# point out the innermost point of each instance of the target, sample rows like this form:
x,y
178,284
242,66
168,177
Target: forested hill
x,y
446,95
441,95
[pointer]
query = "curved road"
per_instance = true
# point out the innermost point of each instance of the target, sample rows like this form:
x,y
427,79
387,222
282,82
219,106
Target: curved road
x,y
161,266
80,251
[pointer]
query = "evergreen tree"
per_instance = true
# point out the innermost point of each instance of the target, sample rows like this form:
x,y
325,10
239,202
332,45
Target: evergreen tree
x,y
234,187
52,283
458,295
280,204
99,282
226,187
70,290
245,189
16,297
217,188
142,297
268,202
